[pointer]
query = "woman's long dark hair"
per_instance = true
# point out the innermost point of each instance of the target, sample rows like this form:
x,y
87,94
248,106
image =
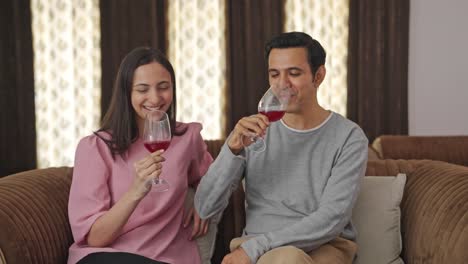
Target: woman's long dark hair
x,y
120,118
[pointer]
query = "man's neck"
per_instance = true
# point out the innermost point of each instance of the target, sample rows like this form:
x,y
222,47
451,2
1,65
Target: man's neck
x,y
307,119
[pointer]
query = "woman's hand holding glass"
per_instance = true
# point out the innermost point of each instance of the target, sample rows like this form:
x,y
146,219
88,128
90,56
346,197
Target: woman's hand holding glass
x,y
147,169
156,137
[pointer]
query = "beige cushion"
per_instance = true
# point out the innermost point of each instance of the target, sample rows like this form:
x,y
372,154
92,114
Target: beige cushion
x,y
2,257
206,243
376,217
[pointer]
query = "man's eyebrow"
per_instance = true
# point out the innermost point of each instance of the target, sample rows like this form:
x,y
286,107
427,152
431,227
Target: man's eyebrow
x,y
288,69
295,68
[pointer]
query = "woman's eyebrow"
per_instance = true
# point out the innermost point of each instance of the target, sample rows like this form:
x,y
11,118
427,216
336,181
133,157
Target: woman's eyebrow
x,y
141,84
163,82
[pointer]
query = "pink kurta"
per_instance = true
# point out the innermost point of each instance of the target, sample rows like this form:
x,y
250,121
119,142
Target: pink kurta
x,y
155,229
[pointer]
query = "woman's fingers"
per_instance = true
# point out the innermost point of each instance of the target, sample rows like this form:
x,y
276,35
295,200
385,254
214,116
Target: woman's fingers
x,y
200,227
196,228
205,224
157,156
188,217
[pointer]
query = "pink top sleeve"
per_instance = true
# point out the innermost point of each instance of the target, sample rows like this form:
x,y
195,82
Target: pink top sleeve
x,y
201,158
91,192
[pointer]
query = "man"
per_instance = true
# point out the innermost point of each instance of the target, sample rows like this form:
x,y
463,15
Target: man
x,y
301,190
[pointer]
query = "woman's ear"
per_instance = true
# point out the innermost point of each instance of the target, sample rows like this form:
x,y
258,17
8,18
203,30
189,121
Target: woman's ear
x,y
320,75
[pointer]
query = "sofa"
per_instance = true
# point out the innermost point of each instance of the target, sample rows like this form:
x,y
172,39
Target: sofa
x,y
452,149
434,213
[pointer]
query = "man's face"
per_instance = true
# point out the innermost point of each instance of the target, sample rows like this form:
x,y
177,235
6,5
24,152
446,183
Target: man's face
x,y
288,67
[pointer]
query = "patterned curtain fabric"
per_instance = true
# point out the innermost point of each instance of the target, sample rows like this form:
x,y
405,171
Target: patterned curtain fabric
x,y
326,21
17,120
378,66
67,72
197,50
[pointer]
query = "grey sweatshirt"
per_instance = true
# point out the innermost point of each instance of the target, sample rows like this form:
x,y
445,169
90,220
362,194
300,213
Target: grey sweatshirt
x,y
300,191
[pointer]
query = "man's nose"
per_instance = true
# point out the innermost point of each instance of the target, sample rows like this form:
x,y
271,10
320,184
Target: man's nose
x,y
284,82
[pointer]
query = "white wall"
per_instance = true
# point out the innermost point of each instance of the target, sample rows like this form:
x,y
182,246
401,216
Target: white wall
x,y
438,67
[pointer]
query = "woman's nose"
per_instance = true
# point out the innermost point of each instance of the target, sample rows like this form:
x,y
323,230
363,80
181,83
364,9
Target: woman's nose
x,y
153,96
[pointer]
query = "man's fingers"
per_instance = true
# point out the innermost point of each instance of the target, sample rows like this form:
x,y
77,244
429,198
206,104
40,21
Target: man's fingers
x,y
254,123
248,128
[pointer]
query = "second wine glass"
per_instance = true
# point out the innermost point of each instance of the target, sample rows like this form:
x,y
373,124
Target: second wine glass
x,y
156,136
273,105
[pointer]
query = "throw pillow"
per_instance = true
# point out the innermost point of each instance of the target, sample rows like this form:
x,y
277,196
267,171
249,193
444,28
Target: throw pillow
x,y
206,243
376,217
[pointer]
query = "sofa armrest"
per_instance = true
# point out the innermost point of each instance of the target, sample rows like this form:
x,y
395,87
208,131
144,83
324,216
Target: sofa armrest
x,y
452,149
34,217
435,214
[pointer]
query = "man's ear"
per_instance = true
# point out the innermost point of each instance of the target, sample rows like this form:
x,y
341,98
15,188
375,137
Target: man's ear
x,y
320,75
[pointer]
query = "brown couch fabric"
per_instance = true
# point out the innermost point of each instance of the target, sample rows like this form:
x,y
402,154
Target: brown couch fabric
x,y
33,216
434,209
452,149
435,214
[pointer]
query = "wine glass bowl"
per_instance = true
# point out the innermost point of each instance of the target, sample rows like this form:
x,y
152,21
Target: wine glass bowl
x,y
156,136
273,105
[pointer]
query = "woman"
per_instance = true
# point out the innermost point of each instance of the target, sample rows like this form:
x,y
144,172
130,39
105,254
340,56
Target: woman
x,y
114,215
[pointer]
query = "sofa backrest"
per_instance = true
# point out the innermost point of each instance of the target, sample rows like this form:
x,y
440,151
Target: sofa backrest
x,y
33,216
452,149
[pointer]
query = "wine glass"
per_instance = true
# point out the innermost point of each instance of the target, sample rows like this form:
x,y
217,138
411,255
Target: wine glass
x,y
273,105
156,136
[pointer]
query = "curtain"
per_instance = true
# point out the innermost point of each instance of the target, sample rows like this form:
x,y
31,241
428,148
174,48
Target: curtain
x,y
378,66
125,25
17,115
250,25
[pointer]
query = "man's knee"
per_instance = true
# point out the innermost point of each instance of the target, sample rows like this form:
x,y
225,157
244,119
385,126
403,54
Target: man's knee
x,y
284,255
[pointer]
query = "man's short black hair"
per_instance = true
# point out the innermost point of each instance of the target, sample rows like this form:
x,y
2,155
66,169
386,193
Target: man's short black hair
x,y
315,52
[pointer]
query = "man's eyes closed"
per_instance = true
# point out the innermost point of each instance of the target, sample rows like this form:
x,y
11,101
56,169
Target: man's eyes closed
x,y
295,72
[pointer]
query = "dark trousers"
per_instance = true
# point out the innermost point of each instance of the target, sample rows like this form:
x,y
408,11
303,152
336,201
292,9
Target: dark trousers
x,y
116,258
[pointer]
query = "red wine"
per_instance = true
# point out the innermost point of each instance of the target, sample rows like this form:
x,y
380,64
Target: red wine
x,y
273,116
156,145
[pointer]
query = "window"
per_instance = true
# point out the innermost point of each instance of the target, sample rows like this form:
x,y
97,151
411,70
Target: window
x,y
326,21
197,51
67,76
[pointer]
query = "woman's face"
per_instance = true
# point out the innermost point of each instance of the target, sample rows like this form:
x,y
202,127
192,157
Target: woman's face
x,y
152,89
